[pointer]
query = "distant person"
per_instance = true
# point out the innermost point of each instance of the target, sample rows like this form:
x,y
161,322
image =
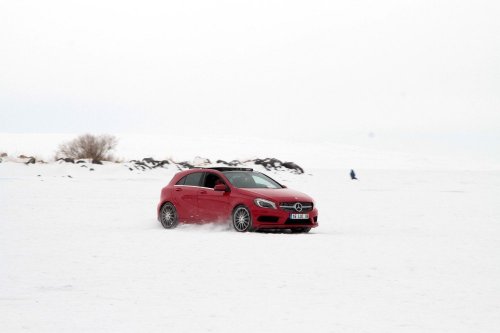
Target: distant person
x,y
353,175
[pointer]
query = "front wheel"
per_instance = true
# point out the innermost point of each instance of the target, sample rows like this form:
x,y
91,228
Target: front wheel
x,y
168,216
242,220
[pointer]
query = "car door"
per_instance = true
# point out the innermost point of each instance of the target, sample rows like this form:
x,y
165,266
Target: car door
x,y
185,196
213,206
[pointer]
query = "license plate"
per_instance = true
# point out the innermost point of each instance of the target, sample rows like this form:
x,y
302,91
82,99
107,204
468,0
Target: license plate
x,y
299,216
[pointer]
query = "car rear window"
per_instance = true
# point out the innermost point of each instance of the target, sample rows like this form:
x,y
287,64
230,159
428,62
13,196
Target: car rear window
x,y
182,181
193,179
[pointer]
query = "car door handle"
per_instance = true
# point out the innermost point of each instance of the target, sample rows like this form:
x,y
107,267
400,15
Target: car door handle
x,y
203,192
178,189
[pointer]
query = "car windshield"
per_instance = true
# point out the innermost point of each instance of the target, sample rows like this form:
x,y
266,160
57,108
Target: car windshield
x,y
250,179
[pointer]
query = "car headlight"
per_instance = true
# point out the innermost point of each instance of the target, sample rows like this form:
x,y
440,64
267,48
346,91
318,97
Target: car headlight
x,y
264,203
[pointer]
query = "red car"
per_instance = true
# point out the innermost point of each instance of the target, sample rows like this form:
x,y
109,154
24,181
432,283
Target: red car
x,y
250,200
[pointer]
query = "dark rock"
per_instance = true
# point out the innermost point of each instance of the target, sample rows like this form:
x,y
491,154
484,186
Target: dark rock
x,y
141,165
83,166
161,164
66,159
293,166
91,169
24,156
185,165
69,176
32,160
131,169
96,162
269,163
275,164
232,163
150,160
80,161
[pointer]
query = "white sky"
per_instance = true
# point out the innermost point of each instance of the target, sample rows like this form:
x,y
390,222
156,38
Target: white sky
x,y
323,69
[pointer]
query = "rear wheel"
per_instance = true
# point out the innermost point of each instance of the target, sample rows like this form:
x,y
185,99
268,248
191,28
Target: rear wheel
x,y
168,216
242,220
300,230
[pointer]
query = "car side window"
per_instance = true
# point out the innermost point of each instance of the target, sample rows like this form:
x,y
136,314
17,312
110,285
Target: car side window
x,y
193,179
211,180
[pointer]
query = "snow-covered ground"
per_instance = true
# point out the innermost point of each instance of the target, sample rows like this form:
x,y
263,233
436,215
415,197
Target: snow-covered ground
x,y
397,251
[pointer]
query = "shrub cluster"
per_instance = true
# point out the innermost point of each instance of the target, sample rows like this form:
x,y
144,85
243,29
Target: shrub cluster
x,y
95,147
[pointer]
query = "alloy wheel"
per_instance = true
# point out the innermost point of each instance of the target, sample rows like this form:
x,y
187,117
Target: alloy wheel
x,y
168,216
242,220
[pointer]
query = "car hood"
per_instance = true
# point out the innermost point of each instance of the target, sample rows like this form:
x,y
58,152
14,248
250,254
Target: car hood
x,y
277,195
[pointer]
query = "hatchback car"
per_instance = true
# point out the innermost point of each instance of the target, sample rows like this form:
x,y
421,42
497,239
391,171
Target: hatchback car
x,y
247,199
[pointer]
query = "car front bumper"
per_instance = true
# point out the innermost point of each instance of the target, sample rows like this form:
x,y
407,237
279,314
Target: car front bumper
x,y
264,218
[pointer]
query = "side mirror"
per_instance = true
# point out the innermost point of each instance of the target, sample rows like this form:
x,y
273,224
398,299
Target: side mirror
x,y
220,188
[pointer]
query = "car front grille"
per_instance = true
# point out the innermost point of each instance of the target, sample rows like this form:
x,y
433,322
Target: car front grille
x,y
292,206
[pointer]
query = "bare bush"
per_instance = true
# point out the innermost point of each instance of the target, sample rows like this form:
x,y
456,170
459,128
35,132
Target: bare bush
x,y
95,147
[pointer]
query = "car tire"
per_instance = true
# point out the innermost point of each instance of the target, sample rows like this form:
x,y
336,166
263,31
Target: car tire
x,y
242,219
168,216
300,230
